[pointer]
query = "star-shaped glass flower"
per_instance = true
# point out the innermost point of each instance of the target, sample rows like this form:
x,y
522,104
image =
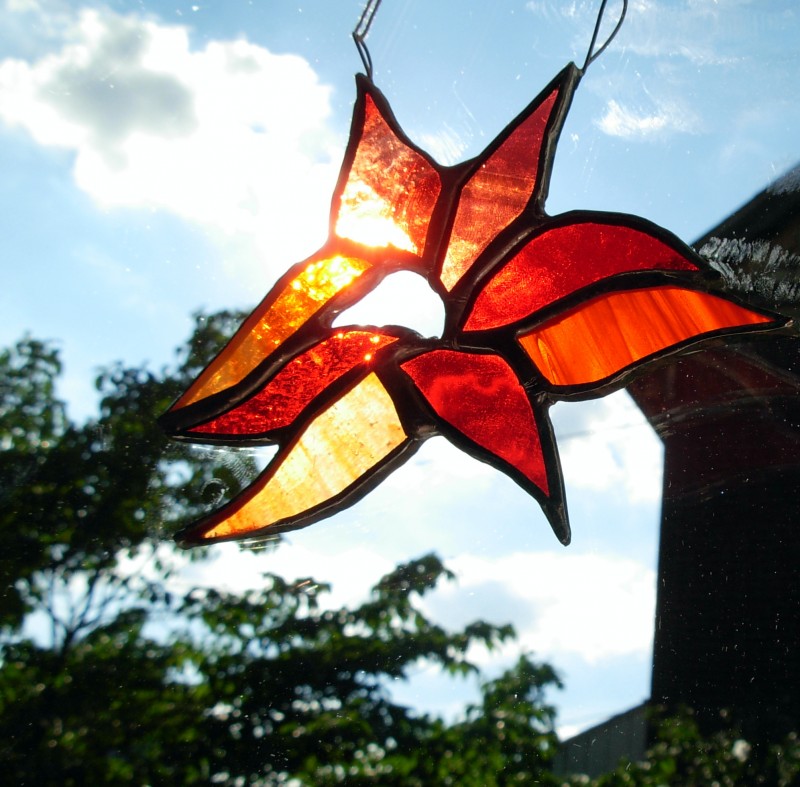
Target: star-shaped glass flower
x,y
538,309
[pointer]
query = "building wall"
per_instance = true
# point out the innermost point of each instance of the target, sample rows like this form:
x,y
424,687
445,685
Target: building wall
x,y
598,750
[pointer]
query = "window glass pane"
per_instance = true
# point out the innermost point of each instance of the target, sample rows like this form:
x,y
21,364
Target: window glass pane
x,y
165,164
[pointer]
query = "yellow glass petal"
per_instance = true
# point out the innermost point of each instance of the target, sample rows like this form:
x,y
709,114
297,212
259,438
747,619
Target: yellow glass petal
x,y
336,449
609,333
274,322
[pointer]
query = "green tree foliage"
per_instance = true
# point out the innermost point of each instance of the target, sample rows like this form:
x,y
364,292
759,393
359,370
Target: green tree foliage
x,y
113,674
77,497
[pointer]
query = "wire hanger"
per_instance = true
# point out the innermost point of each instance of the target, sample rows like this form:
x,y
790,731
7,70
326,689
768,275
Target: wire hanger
x,y
364,24
593,53
361,31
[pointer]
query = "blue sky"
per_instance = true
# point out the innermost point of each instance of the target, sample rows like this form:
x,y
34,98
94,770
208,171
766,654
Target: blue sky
x,y
159,158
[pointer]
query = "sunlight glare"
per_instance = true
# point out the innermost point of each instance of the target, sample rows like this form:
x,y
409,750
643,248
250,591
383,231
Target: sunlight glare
x,y
404,298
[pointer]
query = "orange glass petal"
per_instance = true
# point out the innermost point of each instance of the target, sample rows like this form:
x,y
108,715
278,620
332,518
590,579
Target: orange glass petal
x,y
279,402
390,191
274,321
607,334
335,450
565,259
497,193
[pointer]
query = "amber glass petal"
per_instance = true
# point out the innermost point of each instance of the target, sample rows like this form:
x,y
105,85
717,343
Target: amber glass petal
x,y
288,307
598,339
285,396
332,454
482,398
497,193
390,191
562,260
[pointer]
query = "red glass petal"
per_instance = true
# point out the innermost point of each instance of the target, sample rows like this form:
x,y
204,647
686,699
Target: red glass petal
x,y
562,260
497,193
279,402
598,339
481,396
391,189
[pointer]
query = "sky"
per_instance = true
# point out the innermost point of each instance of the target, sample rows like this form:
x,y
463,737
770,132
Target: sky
x,y
161,158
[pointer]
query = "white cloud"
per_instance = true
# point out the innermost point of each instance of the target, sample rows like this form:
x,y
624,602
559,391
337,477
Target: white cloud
x,y
440,471
607,444
352,572
592,606
21,5
231,136
619,121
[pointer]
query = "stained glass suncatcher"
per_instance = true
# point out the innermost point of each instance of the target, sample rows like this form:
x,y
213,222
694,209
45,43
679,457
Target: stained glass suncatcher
x,y
538,309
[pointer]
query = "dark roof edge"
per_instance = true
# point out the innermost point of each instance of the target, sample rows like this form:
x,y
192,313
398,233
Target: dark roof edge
x,y
763,216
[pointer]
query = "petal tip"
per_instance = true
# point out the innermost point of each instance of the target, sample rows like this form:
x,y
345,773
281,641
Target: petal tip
x,y
560,524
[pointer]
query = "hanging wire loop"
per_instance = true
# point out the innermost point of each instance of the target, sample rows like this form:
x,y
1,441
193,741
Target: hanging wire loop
x,y
361,31
593,53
